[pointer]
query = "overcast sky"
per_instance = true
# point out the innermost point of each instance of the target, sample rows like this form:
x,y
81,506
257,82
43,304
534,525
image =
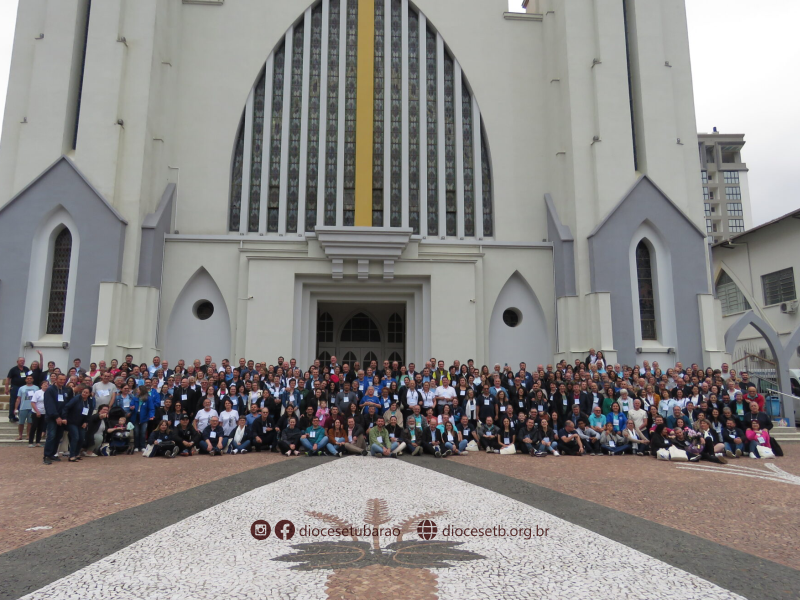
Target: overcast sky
x,y
745,62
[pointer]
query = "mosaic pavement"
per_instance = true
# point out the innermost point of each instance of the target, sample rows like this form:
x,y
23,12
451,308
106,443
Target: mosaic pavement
x,y
214,554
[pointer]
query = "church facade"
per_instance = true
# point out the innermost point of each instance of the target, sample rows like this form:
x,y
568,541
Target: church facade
x,y
359,178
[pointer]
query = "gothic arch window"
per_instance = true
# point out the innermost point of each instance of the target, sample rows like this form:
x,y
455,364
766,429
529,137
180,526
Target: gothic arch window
x,y
647,300
394,356
59,280
324,357
360,328
349,359
325,329
293,168
369,357
730,296
396,331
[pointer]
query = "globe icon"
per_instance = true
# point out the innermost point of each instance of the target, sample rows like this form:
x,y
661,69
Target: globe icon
x,y
427,529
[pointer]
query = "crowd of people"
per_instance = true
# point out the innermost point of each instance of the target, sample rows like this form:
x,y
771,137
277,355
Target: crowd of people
x,y
586,408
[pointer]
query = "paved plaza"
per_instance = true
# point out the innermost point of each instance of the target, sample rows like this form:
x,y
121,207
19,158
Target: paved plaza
x,y
622,527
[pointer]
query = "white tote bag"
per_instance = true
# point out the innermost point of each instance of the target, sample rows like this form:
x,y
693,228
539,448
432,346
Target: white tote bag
x,y
765,452
678,454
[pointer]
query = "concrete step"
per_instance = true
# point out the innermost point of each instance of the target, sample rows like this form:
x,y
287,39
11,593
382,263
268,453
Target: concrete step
x,y
785,434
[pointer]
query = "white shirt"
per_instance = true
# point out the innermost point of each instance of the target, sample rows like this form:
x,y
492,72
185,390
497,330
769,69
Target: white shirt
x,y
203,417
447,393
228,420
427,398
38,398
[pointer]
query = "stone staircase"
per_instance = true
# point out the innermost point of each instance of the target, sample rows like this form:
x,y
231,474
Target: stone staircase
x,y
8,431
786,434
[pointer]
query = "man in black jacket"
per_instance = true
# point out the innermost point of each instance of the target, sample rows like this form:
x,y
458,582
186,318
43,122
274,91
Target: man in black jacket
x,y
186,437
755,415
432,440
264,433
188,397
96,430
525,435
55,399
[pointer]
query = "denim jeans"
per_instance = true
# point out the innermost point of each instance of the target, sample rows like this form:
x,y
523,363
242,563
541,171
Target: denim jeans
x,y
334,449
54,432
308,444
140,435
76,433
462,445
753,447
616,449
243,446
551,448
376,450
733,447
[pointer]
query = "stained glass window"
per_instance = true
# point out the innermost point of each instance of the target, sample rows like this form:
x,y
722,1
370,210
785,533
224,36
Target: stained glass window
x,y
257,149
62,254
469,169
377,144
332,130
350,90
450,145
486,180
236,181
396,197
273,198
413,121
360,329
431,70
312,162
295,118
647,303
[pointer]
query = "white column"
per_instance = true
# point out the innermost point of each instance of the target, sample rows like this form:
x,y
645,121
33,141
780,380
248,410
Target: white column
x,y
387,110
287,90
476,168
404,115
323,114
301,200
246,159
457,99
340,145
423,127
266,143
440,132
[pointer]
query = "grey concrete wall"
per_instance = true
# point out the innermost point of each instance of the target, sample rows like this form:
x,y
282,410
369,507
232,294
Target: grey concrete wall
x,y
563,251
102,235
609,246
154,227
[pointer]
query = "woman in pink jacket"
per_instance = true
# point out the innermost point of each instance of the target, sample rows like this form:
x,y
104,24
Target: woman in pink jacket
x,y
756,437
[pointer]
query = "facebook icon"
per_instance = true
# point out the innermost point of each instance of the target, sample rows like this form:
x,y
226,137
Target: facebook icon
x,y
284,530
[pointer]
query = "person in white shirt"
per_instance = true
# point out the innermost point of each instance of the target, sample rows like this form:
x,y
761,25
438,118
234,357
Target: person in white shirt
x,y
228,418
104,391
638,415
203,416
428,397
444,394
240,437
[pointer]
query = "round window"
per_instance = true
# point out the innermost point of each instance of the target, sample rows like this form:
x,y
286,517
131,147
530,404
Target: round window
x,y
203,309
512,317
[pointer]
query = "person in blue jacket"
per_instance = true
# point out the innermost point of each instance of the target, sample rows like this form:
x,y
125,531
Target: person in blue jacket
x,y
142,410
55,399
617,418
76,414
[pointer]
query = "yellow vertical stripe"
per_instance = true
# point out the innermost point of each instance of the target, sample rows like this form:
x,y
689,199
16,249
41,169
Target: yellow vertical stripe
x,y
365,107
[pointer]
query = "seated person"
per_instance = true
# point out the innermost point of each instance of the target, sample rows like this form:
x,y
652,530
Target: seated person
x,y
432,439
240,437
617,418
467,433
395,434
211,442
186,437
525,436
412,436
355,440
96,430
120,437
569,442
757,437
487,434
379,443
313,439
612,442
589,438
161,441
450,438
635,437
506,435
734,439
545,440
264,434
289,443
337,435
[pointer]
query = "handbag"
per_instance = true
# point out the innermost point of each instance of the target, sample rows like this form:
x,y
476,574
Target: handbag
x,y
507,450
678,454
765,452
147,451
662,454
473,446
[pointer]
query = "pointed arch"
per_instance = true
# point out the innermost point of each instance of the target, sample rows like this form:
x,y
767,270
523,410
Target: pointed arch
x,y
662,300
524,338
199,323
730,296
360,327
